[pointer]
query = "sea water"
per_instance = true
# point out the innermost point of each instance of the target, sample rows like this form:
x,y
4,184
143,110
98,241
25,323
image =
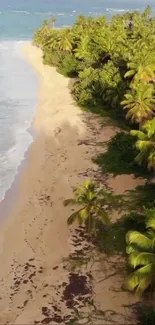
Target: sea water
x,y
18,81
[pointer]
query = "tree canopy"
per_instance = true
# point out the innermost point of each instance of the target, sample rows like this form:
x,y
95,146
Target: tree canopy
x,y
113,62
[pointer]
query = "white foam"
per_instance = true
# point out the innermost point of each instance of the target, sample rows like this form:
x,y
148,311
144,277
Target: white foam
x,y
60,14
113,10
19,12
17,108
49,13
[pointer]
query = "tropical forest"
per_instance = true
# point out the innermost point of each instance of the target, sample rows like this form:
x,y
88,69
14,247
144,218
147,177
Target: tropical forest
x,y
111,66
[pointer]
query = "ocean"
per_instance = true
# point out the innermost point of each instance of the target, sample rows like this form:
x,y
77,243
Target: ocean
x,y
18,81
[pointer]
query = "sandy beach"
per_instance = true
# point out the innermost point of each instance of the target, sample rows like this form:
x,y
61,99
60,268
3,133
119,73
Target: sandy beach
x,y
35,241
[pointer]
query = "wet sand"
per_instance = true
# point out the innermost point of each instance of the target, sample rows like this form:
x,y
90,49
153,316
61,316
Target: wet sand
x,y
35,242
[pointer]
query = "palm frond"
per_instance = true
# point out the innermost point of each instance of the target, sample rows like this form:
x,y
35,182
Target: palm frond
x,y
84,214
102,216
141,279
139,259
72,218
129,73
70,202
141,135
139,239
150,223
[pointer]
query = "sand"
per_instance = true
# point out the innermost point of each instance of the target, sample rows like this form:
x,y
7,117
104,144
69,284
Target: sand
x,y
35,241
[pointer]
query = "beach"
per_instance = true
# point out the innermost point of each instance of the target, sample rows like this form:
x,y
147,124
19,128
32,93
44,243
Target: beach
x,y
35,241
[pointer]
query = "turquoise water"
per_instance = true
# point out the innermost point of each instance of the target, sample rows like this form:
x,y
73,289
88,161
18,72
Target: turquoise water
x,y
19,18
18,82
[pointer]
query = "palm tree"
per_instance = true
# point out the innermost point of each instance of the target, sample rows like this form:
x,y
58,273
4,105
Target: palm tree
x,y
53,43
141,250
81,21
94,199
65,42
140,103
42,35
106,41
146,144
142,69
53,21
81,52
147,13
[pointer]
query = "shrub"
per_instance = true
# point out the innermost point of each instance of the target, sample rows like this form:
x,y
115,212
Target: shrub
x,y
87,91
112,85
104,86
68,66
112,239
146,315
53,58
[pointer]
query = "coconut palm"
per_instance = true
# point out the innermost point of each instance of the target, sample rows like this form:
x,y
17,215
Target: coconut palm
x,y
65,42
95,200
41,35
139,103
142,69
81,21
141,250
52,43
53,21
147,13
146,144
81,52
106,42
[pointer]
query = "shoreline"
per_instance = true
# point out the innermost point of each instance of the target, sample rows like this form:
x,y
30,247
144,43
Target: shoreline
x,y
9,196
35,240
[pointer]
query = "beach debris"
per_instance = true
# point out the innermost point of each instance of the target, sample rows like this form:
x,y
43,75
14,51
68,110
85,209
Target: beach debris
x,y
57,130
55,267
85,142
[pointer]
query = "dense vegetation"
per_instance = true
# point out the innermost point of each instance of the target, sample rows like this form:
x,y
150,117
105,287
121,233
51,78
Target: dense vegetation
x,y
114,66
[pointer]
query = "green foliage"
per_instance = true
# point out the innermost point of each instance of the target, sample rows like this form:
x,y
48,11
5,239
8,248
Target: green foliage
x,y
41,35
146,144
113,62
100,87
87,90
141,251
119,157
112,239
92,197
141,68
146,314
96,201
113,87
139,102
68,66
